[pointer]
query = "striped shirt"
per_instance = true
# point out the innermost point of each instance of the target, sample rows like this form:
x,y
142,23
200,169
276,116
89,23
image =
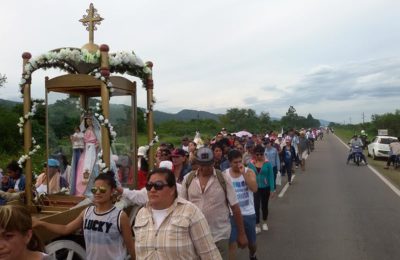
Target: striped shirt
x,y
183,234
103,238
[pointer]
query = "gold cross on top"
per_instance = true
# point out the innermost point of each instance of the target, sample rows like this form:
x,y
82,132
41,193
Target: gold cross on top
x,y
90,20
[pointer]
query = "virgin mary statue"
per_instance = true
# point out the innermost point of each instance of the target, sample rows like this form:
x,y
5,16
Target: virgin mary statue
x,y
87,169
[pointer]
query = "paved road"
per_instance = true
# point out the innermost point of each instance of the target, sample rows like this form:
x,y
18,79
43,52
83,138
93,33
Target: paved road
x,y
332,211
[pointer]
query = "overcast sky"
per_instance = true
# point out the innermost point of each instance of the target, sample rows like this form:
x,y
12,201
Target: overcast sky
x,y
334,59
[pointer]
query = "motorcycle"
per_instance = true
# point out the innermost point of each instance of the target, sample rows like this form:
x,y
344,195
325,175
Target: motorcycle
x,y
356,153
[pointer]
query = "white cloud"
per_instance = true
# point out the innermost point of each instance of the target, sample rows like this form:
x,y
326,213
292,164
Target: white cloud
x,y
212,55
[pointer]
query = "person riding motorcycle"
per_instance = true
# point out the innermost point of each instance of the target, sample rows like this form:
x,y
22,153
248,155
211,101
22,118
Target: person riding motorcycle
x,y
364,139
355,141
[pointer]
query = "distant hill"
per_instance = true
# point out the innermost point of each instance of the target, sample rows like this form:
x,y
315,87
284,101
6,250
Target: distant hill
x,y
118,111
7,103
324,122
184,115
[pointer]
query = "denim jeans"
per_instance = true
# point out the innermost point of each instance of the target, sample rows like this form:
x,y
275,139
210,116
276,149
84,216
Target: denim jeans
x,y
288,169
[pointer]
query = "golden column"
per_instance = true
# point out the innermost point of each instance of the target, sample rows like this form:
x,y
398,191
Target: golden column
x,y
27,133
134,136
149,116
105,97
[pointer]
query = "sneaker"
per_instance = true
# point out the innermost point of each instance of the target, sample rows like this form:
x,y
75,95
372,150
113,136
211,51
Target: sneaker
x,y
264,227
258,229
253,257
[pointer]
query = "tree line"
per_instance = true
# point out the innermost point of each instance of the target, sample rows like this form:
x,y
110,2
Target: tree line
x,y
389,121
64,117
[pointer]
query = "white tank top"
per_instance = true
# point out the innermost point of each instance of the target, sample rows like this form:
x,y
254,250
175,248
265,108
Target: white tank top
x,y
102,234
243,194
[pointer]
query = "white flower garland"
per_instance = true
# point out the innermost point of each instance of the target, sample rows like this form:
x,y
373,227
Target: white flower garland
x,y
105,122
128,62
23,158
21,123
102,165
27,116
127,59
97,75
152,142
61,59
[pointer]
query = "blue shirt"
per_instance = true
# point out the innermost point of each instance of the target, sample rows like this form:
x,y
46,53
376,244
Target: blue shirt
x,y
273,157
11,184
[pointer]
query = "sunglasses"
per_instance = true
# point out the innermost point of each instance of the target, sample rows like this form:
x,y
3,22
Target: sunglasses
x,y
100,188
158,185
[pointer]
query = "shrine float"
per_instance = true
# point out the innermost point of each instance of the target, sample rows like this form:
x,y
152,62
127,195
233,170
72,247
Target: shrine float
x,y
93,78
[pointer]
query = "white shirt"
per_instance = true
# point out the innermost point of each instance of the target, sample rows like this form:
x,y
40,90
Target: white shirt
x,y
158,216
102,233
16,185
243,193
77,142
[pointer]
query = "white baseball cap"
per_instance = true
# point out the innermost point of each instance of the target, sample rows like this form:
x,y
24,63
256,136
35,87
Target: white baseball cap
x,y
166,164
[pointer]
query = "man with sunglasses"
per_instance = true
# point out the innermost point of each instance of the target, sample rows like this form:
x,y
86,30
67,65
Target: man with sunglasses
x,y
169,227
212,191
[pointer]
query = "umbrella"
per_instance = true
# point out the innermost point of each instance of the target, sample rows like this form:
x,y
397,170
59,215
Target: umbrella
x,y
243,133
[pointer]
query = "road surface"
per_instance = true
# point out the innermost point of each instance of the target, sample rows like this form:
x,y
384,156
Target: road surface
x,y
332,211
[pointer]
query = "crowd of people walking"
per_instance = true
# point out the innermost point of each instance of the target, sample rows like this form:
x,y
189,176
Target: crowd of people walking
x,y
201,200
230,180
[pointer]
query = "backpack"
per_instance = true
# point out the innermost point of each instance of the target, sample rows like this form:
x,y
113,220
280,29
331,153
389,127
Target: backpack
x,y
220,178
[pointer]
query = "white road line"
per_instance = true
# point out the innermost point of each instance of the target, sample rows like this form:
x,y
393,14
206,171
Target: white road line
x,y
388,183
285,188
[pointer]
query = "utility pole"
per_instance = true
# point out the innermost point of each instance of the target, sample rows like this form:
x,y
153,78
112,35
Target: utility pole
x,y
350,120
363,117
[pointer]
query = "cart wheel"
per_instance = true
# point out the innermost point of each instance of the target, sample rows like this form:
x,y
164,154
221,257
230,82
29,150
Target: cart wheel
x,y
71,247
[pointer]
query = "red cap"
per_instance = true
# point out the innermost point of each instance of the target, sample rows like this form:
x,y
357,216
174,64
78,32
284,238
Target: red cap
x,y
178,152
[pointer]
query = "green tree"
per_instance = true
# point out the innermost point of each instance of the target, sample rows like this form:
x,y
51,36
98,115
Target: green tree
x,y
237,119
141,123
290,120
3,79
388,121
11,141
311,122
264,122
